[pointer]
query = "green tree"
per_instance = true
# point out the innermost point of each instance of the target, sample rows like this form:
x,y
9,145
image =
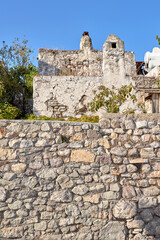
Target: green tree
x,y
112,99
158,39
16,72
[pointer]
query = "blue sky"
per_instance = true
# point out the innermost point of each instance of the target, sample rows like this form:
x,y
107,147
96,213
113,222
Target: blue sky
x,y
60,23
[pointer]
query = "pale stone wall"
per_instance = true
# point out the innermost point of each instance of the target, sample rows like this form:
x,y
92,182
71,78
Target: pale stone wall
x,y
61,96
61,180
118,66
67,78
87,62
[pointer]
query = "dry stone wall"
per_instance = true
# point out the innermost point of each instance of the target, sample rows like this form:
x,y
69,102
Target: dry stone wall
x,y
61,180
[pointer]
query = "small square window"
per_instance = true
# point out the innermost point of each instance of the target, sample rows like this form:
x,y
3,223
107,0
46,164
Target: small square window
x,y
113,45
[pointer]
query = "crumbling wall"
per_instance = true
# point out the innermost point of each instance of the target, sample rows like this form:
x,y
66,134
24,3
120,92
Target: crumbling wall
x,y
61,96
61,180
77,62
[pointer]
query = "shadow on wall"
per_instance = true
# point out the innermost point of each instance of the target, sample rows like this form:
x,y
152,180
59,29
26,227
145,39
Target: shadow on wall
x,y
47,69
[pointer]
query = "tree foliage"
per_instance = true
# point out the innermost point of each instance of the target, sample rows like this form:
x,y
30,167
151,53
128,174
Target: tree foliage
x,y
112,99
158,39
16,72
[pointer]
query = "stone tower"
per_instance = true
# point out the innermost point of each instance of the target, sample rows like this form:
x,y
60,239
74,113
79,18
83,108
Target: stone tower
x,y
118,65
86,42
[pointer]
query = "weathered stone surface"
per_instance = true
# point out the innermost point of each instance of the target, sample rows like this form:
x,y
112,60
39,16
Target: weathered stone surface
x,y
9,176
91,198
151,191
157,211
56,162
2,194
15,205
80,190
12,232
125,209
72,210
147,215
147,153
147,202
141,124
113,231
61,196
82,156
135,224
26,144
104,142
129,124
45,127
40,226
18,167
110,195
119,151
152,228
47,173
128,192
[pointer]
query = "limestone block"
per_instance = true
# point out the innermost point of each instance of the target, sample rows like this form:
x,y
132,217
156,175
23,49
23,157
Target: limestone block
x,y
104,142
113,230
147,202
128,192
92,198
18,167
82,156
2,194
119,151
80,190
12,232
47,173
124,209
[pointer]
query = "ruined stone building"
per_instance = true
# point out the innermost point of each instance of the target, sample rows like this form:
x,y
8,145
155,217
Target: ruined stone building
x,y
67,79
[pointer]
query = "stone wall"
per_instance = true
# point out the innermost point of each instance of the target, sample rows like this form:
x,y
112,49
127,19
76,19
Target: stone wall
x,y
61,180
67,79
76,62
61,96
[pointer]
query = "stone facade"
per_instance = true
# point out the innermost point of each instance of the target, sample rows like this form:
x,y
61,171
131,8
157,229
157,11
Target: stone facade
x,y
69,180
79,72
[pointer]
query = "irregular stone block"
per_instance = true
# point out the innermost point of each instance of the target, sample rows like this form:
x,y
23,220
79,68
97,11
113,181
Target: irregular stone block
x,y
151,191
138,160
91,198
47,173
135,224
72,210
15,205
155,174
40,226
124,209
147,215
110,195
12,232
2,194
147,153
104,142
61,196
119,151
113,231
82,156
157,211
129,124
142,124
80,190
26,144
147,202
18,167
128,192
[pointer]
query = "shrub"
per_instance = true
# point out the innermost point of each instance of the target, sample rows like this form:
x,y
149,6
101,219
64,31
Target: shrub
x,y
7,111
